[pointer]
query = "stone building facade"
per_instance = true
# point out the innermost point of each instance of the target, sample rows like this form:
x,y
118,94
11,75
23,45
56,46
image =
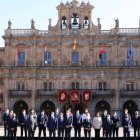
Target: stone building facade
x,y
74,55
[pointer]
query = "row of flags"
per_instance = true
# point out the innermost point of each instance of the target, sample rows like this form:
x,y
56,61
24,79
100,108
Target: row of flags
x,y
101,52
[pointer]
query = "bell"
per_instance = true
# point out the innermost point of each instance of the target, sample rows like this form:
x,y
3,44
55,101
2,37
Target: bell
x,y
85,21
75,21
64,22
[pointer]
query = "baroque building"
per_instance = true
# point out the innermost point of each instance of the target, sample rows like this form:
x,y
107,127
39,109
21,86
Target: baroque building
x,y
73,64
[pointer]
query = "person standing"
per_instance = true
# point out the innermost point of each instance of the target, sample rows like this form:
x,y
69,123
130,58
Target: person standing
x,y
126,123
61,127
87,126
23,123
136,124
68,122
115,124
5,118
104,118
31,125
77,123
108,126
42,123
13,126
52,125
97,124
8,122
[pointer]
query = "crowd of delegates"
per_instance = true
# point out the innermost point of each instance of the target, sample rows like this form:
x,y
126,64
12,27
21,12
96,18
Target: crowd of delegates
x,y
64,123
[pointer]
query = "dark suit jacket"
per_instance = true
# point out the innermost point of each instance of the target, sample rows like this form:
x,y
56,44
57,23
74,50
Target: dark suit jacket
x,y
52,123
87,124
13,123
42,120
60,123
5,117
136,122
126,121
77,121
68,121
23,119
108,125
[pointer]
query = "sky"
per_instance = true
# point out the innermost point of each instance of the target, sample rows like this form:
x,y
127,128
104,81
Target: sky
x,y
20,12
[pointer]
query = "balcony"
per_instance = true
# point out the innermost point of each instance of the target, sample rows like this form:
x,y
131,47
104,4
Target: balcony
x,y
129,94
20,93
103,93
43,92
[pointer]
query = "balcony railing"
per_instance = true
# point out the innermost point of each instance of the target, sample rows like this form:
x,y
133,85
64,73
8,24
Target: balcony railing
x,y
27,32
103,93
132,94
20,93
43,92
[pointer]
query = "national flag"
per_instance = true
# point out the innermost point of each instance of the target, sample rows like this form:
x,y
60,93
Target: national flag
x,y
74,45
102,49
130,52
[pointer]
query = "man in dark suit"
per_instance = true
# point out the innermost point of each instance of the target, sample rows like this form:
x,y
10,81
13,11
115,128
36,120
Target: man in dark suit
x,y
136,124
104,118
5,117
60,126
13,126
52,125
77,123
126,123
68,121
42,123
108,126
23,123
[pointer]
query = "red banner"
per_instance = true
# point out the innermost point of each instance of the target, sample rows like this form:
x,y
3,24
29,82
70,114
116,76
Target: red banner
x,y
87,96
75,97
62,96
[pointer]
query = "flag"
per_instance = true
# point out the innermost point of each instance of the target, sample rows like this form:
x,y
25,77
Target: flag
x,y
130,52
75,97
18,51
102,49
74,45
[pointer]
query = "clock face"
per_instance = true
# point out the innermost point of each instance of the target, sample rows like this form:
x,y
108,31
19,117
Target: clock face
x,y
75,32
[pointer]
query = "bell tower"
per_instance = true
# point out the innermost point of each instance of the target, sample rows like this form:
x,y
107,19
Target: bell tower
x,y
75,17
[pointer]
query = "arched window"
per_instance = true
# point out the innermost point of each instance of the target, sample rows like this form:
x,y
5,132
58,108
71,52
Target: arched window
x,y
75,21
75,57
86,23
130,56
64,23
47,58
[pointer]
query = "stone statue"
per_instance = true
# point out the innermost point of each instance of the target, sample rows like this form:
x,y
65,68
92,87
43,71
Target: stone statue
x,y
99,24
117,23
9,24
32,24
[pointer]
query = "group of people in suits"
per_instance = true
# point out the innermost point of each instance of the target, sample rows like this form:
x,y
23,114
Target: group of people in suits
x,y
64,123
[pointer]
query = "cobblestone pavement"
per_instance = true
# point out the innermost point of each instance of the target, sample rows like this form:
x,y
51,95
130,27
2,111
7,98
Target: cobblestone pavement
x,y
72,133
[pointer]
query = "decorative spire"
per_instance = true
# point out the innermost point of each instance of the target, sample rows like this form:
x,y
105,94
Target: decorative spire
x,y
9,24
50,22
32,24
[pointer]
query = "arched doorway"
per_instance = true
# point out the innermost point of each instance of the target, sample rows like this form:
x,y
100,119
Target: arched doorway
x,y
80,106
19,106
48,107
131,106
101,106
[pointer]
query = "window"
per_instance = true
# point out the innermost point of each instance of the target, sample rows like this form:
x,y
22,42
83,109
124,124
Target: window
x,y
86,23
48,86
130,86
130,56
47,58
103,58
102,86
21,58
64,23
20,86
75,85
75,57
